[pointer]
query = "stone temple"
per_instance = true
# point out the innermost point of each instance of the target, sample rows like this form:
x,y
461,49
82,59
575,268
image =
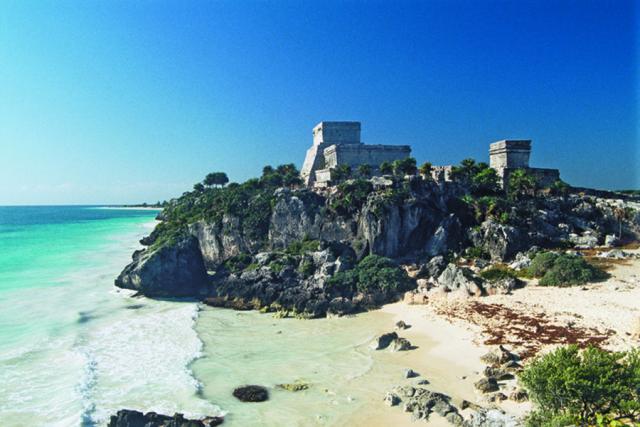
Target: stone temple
x,y
509,155
338,143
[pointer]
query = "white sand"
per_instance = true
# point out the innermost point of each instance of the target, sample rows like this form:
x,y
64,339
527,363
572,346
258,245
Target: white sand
x,y
450,348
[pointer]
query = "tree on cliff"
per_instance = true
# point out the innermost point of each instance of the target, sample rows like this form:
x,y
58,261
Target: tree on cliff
x,y
386,168
284,175
364,170
406,166
425,169
216,178
198,187
521,183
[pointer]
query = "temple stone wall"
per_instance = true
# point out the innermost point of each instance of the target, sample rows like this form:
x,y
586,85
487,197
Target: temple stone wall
x,y
354,155
336,133
509,154
338,143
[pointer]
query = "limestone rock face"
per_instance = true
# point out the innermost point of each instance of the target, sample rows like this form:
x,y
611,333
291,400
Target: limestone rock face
x,y
455,278
176,270
500,241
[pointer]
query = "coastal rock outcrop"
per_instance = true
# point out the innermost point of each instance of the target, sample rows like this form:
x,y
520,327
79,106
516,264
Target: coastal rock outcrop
x,y
175,270
131,418
247,246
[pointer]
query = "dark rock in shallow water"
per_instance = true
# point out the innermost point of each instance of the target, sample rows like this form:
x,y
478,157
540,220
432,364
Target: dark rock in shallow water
x,y
401,344
131,418
251,393
383,341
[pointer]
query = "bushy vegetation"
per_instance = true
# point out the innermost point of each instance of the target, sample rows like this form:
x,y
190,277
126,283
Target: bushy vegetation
x,y
476,252
522,184
563,270
497,273
351,196
479,178
584,388
238,263
372,275
303,246
250,202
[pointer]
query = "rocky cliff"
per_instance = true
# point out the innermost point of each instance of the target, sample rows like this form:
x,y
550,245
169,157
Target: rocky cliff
x,y
259,246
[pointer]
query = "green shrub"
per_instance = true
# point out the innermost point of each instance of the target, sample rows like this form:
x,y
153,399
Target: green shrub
x,y
563,270
372,275
280,262
250,203
238,263
476,252
589,387
303,246
542,263
307,268
351,196
497,273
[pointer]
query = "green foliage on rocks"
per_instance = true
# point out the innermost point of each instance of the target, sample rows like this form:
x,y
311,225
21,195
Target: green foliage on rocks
x,y
364,171
425,169
563,270
250,203
589,387
386,168
238,263
522,184
303,246
406,166
497,273
476,252
351,196
372,275
216,178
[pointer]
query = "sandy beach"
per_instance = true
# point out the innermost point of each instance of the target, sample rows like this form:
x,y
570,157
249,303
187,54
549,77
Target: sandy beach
x,y
451,334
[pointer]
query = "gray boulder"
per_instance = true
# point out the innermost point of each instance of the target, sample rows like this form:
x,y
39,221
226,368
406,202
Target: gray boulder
x,y
172,270
391,399
410,373
435,266
501,287
383,341
588,240
455,278
500,241
400,344
491,418
486,385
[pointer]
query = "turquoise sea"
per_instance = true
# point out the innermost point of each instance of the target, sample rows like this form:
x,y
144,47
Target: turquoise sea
x,y
74,348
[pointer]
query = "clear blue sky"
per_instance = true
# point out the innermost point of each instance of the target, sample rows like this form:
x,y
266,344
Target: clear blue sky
x,y
123,101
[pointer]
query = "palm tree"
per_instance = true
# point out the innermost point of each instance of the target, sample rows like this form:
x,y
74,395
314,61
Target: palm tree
x,y
386,168
364,170
425,169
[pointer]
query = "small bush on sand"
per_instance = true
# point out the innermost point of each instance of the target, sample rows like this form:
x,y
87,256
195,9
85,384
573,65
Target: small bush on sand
x,y
497,273
563,270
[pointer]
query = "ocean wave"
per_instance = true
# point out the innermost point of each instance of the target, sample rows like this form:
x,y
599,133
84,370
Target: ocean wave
x,y
143,360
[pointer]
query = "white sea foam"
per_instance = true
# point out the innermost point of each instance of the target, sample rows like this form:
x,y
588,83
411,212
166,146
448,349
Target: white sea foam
x,y
86,350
